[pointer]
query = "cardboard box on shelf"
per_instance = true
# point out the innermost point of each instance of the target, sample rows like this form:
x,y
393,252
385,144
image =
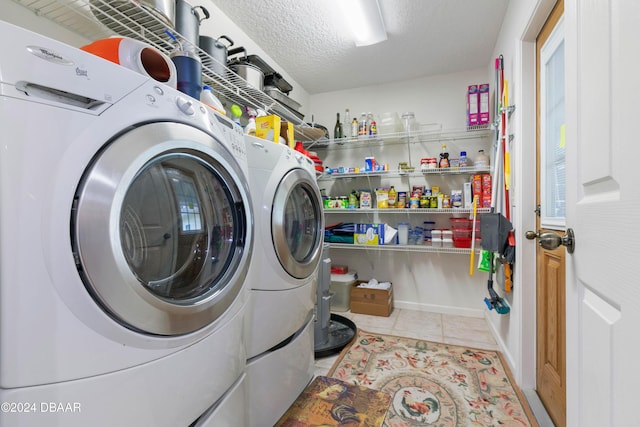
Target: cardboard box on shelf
x,y
482,188
377,302
365,200
483,104
286,132
473,105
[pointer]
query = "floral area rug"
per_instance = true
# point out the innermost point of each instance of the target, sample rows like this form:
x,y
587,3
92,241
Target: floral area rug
x,y
433,384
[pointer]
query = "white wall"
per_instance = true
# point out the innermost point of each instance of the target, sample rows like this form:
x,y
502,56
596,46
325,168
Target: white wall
x,y
220,24
436,99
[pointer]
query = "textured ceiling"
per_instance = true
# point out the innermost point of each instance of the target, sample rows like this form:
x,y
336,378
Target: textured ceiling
x,y
425,37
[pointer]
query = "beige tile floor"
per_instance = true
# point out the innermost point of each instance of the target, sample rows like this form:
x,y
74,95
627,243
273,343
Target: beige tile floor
x,y
445,328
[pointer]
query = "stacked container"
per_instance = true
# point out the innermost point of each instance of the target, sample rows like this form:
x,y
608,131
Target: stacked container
x,y
462,230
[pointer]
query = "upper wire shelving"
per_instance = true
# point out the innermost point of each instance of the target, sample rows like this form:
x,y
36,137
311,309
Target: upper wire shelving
x,y
96,19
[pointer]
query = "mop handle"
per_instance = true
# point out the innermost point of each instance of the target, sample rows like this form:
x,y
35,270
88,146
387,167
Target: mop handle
x,y
473,236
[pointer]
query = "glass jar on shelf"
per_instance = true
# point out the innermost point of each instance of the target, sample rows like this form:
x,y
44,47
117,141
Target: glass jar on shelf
x,y
410,125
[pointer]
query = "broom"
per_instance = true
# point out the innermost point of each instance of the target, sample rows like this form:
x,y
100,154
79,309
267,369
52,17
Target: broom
x,y
473,236
494,301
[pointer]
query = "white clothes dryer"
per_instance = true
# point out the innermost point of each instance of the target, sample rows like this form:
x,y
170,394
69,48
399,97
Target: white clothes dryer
x,y
126,228
282,276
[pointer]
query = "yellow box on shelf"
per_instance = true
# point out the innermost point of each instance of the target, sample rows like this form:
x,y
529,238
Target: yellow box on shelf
x,y
268,127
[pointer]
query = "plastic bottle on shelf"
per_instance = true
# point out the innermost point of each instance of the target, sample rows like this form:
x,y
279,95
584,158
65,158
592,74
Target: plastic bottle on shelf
x,y
481,160
393,197
373,126
346,128
354,127
210,100
444,157
250,128
362,126
463,159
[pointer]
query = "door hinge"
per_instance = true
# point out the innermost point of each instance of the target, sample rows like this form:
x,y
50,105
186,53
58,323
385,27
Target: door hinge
x,y
537,210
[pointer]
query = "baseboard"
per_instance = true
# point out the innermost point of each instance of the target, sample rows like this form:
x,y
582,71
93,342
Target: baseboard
x,y
538,408
506,354
442,309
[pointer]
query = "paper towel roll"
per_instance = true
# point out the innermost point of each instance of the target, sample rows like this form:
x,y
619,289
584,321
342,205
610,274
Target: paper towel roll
x,y
137,56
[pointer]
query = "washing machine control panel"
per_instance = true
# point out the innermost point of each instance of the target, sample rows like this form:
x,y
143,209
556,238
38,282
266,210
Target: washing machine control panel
x,y
232,133
159,97
185,105
199,114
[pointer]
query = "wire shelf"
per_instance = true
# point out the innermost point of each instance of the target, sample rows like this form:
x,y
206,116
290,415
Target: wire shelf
x,y
407,211
402,173
415,137
97,19
403,248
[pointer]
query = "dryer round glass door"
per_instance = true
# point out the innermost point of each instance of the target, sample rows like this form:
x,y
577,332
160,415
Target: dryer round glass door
x,y
297,223
160,229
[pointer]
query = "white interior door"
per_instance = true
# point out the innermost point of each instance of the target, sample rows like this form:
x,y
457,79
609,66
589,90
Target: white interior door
x,y
603,201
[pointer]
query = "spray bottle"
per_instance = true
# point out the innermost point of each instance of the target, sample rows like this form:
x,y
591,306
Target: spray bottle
x,y
250,128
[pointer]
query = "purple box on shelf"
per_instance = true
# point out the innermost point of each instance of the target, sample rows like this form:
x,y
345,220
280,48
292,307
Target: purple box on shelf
x,y
472,105
483,104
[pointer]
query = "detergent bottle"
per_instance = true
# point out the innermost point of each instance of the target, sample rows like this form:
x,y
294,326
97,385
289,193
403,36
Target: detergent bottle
x,y
210,100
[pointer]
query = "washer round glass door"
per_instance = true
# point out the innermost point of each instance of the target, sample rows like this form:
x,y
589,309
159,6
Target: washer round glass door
x,y
160,229
297,223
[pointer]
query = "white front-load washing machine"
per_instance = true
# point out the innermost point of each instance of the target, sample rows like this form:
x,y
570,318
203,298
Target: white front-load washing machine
x,y
289,231
127,230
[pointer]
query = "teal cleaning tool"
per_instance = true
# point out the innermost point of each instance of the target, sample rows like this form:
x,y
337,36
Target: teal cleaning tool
x,y
494,228
495,302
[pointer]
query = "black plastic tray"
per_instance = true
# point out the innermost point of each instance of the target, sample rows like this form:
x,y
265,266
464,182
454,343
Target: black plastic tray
x,y
342,331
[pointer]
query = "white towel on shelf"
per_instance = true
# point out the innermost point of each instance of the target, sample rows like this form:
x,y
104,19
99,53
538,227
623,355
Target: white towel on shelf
x,y
374,284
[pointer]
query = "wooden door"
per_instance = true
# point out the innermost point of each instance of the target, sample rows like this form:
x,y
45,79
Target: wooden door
x,y
550,196
603,204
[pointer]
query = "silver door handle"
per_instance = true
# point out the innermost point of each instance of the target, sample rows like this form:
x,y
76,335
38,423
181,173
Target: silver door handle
x,y
550,240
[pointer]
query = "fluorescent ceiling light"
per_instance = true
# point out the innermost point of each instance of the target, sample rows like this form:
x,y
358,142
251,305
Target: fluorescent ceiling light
x,y
365,20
